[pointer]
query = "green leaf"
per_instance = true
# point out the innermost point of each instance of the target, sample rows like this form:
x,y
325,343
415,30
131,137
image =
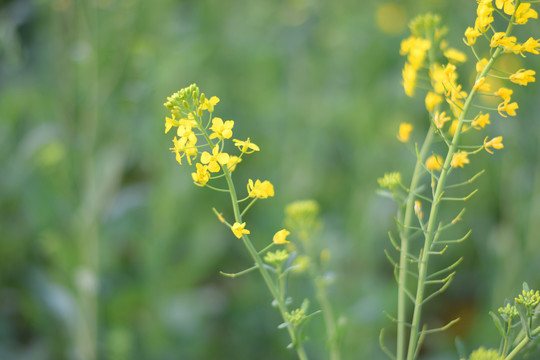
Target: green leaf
x,y
523,316
498,323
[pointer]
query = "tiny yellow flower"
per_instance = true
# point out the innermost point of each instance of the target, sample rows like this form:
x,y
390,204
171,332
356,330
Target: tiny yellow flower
x,y
434,162
233,161
281,237
239,229
504,93
524,13
221,130
480,85
418,209
261,190
404,132
508,42
531,45
508,5
480,65
471,34
455,55
169,123
523,77
208,104
409,79
510,108
432,100
440,119
480,121
459,159
215,159
202,175
495,143
246,147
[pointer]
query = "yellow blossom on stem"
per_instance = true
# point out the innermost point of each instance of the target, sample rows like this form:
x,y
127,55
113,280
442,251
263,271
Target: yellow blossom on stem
x,y
524,13
508,5
495,143
440,119
432,100
508,42
434,162
523,77
233,161
281,237
409,79
221,130
531,45
208,104
509,108
455,55
169,123
261,190
480,85
480,121
215,159
239,229
415,48
404,132
471,34
459,159
246,147
504,93
480,65
202,175
184,146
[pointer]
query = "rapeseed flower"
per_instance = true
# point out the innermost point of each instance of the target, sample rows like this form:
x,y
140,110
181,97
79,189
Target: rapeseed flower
x,y
281,237
404,132
523,77
495,143
261,190
434,162
221,130
460,158
202,175
246,147
480,121
215,159
239,229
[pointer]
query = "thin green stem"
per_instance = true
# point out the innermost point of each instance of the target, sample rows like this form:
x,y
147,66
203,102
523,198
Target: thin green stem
x,y
521,345
328,315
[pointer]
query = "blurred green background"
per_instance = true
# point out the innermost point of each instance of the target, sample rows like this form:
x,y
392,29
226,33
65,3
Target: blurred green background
x,y
108,250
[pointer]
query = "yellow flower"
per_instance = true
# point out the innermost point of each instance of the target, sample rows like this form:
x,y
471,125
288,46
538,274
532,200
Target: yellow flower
x,y
523,77
453,127
455,55
471,34
432,100
221,130
531,45
415,48
184,146
217,158
202,175
239,229
404,132
246,147
524,13
434,162
261,190
510,108
169,123
495,143
208,104
409,79
480,85
281,237
440,118
480,121
504,93
507,4
508,42
233,161
418,209
459,159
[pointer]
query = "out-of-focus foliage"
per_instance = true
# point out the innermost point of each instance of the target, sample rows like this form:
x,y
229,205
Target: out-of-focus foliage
x,y
107,249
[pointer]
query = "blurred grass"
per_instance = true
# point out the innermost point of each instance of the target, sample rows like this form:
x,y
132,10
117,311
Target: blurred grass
x,y
109,252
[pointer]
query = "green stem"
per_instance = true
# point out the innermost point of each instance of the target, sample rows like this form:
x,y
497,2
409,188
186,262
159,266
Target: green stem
x,y
328,315
521,345
431,228
296,341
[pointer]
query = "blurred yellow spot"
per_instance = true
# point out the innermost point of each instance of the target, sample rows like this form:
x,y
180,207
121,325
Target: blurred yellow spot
x,y
391,18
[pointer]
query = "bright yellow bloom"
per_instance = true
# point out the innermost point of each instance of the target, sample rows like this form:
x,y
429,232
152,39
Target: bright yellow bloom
x,y
455,55
471,34
409,79
434,162
459,159
208,104
440,118
504,93
480,85
217,158
508,42
509,108
432,100
233,161
508,5
246,147
404,132
480,65
281,237
220,129
202,175
415,48
484,11
531,45
524,13
523,77
239,229
169,123
495,143
480,121
184,146
261,190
